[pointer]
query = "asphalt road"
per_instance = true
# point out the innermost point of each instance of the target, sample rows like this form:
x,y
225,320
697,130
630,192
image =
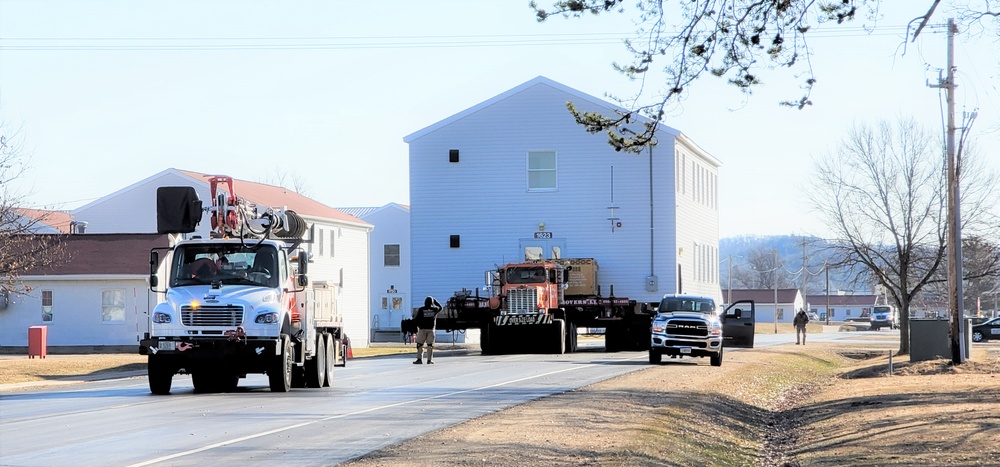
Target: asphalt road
x,y
374,402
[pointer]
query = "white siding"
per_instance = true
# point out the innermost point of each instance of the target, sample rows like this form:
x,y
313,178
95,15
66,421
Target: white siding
x,y
392,227
348,269
698,223
76,312
483,198
133,208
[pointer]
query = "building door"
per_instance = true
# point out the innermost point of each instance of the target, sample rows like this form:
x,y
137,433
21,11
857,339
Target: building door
x,y
538,248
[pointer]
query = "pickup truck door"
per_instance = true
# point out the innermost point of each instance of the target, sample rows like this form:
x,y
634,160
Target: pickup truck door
x,y
738,324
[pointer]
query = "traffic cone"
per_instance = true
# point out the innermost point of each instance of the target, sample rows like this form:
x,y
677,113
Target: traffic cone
x,y
350,351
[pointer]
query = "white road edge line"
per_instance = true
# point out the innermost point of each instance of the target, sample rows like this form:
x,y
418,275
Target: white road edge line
x,y
359,412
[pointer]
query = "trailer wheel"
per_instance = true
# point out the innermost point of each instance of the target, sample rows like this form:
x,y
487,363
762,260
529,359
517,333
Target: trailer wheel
x,y
279,376
559,343
160,374
613,337
331,358
571,338
316,368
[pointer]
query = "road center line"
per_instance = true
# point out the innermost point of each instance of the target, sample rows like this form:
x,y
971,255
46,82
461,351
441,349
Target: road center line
x,y
359,412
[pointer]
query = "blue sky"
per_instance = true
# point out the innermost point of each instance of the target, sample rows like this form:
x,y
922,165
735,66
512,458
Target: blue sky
x,y
110,92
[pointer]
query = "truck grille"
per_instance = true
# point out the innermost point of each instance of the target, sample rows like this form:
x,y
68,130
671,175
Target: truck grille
x,y
522,301
212,316
685,327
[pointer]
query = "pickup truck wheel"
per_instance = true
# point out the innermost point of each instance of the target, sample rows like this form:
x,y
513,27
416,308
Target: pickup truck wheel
x,y
279,376
316,368
160,375
331,358
655,356
717,358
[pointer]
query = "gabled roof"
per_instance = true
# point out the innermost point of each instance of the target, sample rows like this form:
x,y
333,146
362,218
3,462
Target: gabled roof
x,y
763,296
58,221
362,212
270,195
104,254
844,300
538,81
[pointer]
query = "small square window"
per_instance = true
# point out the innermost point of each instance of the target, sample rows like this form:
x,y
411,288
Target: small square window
x,y
453,155
46,305
113,306
390,255
454,241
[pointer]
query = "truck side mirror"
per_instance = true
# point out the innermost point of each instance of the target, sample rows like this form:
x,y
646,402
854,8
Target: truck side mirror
x,y
154,261
303,260
302,280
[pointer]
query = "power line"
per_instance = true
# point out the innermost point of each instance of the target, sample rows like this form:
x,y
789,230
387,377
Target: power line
x,y
351,42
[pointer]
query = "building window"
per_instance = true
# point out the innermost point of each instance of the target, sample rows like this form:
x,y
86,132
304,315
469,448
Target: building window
x,y
113,306
46,305
541,170
454,241
781,313
390,255
332,242
320,243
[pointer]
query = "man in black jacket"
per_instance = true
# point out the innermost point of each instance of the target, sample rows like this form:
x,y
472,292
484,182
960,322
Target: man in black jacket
x,y
426,320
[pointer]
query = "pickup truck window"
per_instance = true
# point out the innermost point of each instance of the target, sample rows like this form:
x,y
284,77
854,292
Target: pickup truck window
x,y
687,304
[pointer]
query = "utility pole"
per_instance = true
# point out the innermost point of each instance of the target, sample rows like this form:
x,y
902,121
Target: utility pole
x,y
956,302
805,276
775,276
826,266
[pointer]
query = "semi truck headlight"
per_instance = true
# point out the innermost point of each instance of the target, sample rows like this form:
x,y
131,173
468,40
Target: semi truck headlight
x,y
161,318
267,318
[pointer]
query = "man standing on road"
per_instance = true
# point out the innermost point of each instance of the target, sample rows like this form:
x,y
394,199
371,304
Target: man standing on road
x,y
800,321
426,320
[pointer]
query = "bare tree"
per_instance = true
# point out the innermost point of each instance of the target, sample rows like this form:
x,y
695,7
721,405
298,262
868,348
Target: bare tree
x,y
22,247
735,40
281,177
762,270
883,194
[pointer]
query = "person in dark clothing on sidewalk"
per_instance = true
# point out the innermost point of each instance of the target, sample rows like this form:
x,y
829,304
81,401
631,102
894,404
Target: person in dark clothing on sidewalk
x,y
426,320
800,321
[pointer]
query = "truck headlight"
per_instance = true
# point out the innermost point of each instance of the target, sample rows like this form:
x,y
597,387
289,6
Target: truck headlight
x,y
657,329
160,317
266,318
715,329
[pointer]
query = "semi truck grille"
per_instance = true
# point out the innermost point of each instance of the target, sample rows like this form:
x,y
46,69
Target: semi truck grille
x,y
212,316
682,327
521,301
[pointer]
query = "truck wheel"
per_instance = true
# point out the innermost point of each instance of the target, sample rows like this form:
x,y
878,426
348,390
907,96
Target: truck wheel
x,y
204,382
331,358
160,375
316,368
559,341
717,358
655,356
279,376
571,338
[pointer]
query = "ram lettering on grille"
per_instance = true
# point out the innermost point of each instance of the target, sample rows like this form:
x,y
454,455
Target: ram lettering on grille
x,y
687,328
212,316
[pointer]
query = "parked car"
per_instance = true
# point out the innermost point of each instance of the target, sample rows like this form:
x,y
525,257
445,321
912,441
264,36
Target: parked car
x,y
986,331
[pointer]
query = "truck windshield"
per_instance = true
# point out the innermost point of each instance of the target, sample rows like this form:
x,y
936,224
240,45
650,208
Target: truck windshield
x,y
526,275
227,264
698,305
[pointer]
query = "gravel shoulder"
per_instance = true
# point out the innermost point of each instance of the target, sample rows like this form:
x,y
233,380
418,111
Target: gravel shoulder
x,y
780,406
822,404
